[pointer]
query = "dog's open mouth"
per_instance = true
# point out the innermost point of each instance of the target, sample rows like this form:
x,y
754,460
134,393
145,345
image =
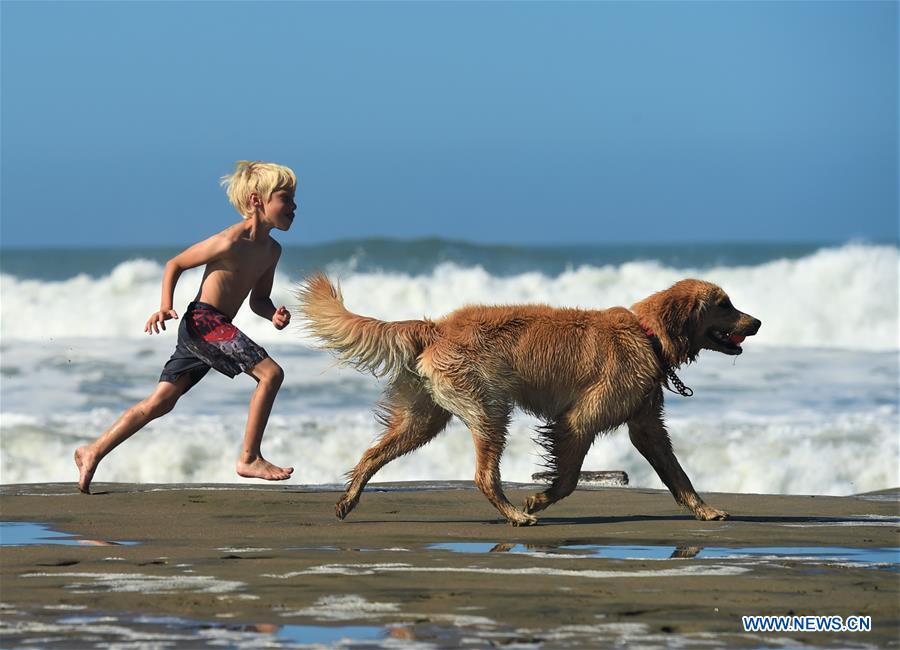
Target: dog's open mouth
x,y
730,342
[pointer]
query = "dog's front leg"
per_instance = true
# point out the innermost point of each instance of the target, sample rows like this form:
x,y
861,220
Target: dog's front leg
x,y
648,434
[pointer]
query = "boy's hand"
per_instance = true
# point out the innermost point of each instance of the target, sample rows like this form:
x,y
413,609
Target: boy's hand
x,y
158,320
281,318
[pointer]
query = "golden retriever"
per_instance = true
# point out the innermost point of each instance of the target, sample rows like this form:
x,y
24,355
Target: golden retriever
x,y
582,371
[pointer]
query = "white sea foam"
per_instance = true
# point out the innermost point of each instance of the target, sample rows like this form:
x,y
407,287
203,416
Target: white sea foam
x,y
345,607
123,636
779,421
373,569
143,583
756,457
843,297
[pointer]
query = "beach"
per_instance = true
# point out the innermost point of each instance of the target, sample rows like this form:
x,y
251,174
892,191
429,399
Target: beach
x,y
415,565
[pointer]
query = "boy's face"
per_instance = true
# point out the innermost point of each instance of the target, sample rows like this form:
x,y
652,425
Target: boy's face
x,y
278,211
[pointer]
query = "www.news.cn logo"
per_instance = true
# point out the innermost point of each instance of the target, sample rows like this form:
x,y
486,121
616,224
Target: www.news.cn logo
x,y
807,623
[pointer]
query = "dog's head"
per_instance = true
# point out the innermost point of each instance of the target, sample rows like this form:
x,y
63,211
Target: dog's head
x,y
720,326
695,315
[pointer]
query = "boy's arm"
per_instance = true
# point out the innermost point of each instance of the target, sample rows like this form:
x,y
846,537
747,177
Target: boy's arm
x,y
200,253
261,301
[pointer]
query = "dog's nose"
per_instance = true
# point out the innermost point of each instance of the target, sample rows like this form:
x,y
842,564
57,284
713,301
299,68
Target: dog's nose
x,y
754,326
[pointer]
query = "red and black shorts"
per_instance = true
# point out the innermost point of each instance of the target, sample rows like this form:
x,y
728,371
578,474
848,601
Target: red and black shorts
x,y
207,339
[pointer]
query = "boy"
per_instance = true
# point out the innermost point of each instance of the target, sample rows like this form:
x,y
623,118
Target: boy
x,y
239,261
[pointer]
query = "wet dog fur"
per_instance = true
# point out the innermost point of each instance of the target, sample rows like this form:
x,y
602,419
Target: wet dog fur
x,y
583,372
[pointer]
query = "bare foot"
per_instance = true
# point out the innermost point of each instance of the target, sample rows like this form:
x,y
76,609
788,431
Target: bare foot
x,y
261,468
86,463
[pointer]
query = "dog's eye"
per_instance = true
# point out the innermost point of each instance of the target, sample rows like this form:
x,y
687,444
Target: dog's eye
x,y
725,303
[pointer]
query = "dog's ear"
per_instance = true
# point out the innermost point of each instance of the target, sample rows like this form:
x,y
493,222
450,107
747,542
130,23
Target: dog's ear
x,y
680,307
682,311
697,304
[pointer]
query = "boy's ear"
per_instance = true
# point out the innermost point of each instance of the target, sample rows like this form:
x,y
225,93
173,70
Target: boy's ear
x,y
254,200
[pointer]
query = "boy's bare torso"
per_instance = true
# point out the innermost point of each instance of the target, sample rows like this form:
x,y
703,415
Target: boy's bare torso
x,y
245,264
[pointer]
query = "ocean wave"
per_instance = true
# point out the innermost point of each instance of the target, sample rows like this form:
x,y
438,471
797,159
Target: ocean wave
x,y
775,420
734,453
845,297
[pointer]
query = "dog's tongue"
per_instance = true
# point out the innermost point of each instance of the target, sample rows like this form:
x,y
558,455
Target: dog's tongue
x,y
736,339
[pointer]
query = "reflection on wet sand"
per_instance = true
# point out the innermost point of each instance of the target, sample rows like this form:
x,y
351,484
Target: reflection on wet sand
x,y
888,557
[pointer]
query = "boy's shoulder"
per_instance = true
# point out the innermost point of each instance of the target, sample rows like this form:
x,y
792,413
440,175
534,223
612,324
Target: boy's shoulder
x,y
233,233
239,235
227,236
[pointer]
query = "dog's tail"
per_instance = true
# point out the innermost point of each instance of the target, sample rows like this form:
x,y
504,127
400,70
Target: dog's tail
x,y
380,347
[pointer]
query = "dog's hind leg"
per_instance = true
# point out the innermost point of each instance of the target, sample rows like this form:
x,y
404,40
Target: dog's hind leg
x,y
412,419
648,434
486,413
566,450
490,439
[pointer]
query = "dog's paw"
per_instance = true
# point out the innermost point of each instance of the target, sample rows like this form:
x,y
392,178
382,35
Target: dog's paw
x,y
705,513
522,519
343,507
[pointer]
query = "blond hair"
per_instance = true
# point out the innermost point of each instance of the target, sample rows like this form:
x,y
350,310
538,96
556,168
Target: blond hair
x,y
256,177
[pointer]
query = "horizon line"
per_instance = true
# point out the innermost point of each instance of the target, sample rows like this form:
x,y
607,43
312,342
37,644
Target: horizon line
x,y
484,244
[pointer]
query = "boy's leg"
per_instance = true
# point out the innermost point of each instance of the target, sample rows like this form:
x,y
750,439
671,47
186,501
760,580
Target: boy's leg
x,y
131,421
251,463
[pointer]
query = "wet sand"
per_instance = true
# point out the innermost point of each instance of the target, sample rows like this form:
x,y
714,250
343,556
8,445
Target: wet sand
x,y
270,566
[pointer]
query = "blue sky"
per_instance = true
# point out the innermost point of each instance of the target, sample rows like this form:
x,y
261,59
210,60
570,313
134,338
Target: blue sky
x,y
538,122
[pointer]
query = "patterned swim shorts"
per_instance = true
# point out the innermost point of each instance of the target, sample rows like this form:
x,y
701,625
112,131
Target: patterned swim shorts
x,y
207,339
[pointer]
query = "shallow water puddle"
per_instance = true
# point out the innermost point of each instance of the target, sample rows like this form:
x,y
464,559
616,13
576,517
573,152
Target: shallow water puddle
x,y
22,533
323,634
870,556
252,634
